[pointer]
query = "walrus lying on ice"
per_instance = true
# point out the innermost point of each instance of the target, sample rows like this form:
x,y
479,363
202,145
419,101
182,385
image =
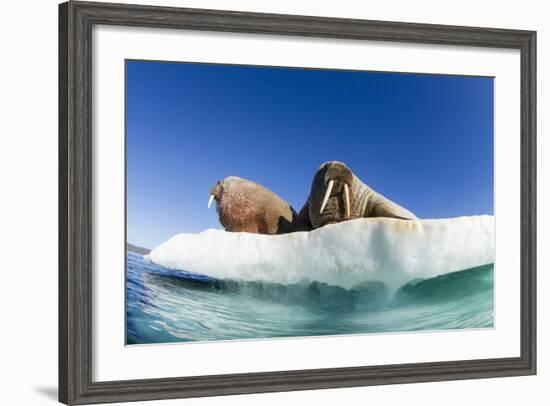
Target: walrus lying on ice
x,y
244,205
338,195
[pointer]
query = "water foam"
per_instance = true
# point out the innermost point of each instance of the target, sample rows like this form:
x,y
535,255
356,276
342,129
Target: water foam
x,y
346,254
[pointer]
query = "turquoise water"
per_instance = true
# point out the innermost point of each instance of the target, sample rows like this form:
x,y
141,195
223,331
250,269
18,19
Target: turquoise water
x,y
164,305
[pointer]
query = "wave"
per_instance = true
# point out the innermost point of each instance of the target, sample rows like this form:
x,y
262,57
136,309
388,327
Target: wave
x,y
348,254
451,287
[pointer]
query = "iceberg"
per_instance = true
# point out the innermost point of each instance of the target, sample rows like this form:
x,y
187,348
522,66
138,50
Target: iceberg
x,y
345,254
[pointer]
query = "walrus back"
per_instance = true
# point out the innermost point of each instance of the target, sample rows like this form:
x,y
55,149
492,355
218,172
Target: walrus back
x,y
369,203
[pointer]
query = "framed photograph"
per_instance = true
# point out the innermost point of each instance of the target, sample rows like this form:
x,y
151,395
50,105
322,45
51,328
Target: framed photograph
x,y
257,202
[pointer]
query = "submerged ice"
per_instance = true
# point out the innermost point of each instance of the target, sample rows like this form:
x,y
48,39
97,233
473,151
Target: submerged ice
x,y
346,254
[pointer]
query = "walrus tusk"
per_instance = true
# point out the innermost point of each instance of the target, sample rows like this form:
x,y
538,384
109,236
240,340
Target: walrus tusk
x,y
346,199
210,200
327,195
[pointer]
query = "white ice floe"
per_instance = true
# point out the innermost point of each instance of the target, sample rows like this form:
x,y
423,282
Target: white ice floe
x,y
345,254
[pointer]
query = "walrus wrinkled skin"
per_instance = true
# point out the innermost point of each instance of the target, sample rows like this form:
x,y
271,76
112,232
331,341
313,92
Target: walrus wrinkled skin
x,y
347,198
244,205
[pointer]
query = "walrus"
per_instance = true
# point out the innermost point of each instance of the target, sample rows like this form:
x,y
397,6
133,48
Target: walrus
x,y
338,195
244,205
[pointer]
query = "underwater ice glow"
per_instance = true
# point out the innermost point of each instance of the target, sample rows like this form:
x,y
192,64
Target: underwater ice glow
x,y
346,254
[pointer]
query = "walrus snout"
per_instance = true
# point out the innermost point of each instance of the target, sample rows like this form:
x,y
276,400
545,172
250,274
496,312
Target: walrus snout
x,y
337,178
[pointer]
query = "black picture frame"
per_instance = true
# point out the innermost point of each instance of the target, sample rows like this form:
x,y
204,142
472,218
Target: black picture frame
x,y
76,20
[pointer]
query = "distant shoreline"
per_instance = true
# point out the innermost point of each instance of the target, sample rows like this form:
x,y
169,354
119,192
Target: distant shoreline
x,y
137,249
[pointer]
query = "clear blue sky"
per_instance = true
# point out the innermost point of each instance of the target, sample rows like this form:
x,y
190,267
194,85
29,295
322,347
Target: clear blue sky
x,y
425,141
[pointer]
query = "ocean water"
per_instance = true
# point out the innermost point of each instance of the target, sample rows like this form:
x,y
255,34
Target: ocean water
x,y
165,305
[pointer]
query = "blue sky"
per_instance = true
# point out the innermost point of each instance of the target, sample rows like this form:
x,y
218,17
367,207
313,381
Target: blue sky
x,y
424,141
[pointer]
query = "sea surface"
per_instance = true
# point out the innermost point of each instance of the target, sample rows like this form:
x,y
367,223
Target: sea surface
x,y
164,305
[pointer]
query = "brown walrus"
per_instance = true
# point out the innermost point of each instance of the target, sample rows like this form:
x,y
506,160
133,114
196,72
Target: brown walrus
x,y
244,205
338,195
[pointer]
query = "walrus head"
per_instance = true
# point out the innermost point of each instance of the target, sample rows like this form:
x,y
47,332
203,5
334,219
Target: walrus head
x,y
222,187
232,185
244,205
330,194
